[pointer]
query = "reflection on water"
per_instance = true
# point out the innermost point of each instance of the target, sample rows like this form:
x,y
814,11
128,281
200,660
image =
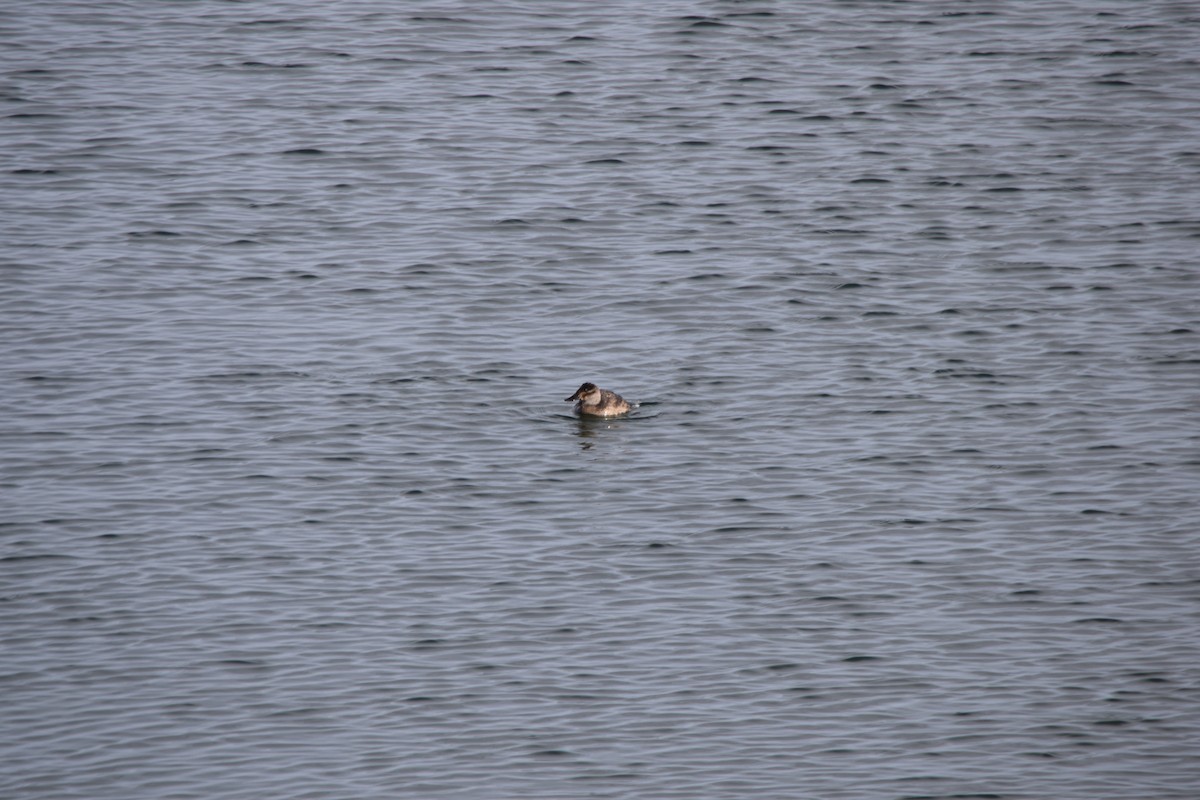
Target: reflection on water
x,y
588,427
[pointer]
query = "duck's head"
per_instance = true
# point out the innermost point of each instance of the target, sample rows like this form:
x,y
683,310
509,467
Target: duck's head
x,y
588,392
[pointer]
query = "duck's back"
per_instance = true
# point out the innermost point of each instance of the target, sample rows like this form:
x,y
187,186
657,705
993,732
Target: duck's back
x,y
612,403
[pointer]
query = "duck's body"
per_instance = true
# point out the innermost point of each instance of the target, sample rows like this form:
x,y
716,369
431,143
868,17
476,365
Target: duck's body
x,y
592,401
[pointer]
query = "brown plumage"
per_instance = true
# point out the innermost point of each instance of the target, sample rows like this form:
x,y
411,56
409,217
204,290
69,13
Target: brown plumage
x,y
591,400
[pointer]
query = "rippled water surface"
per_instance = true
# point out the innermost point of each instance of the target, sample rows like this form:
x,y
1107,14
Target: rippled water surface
x,y
292,293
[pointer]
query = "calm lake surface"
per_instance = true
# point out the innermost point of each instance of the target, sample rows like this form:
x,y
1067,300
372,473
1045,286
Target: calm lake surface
x,y
909,294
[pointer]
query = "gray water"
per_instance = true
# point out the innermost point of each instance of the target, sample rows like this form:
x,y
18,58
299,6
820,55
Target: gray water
x,y
293,508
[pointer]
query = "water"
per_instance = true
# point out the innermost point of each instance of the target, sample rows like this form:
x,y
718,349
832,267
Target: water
x,y
293,506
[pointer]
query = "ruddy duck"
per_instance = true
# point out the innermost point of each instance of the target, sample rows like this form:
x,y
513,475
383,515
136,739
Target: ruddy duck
x,y
593,401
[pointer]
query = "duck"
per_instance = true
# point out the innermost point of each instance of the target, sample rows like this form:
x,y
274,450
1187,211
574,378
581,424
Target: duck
x,y
592,401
